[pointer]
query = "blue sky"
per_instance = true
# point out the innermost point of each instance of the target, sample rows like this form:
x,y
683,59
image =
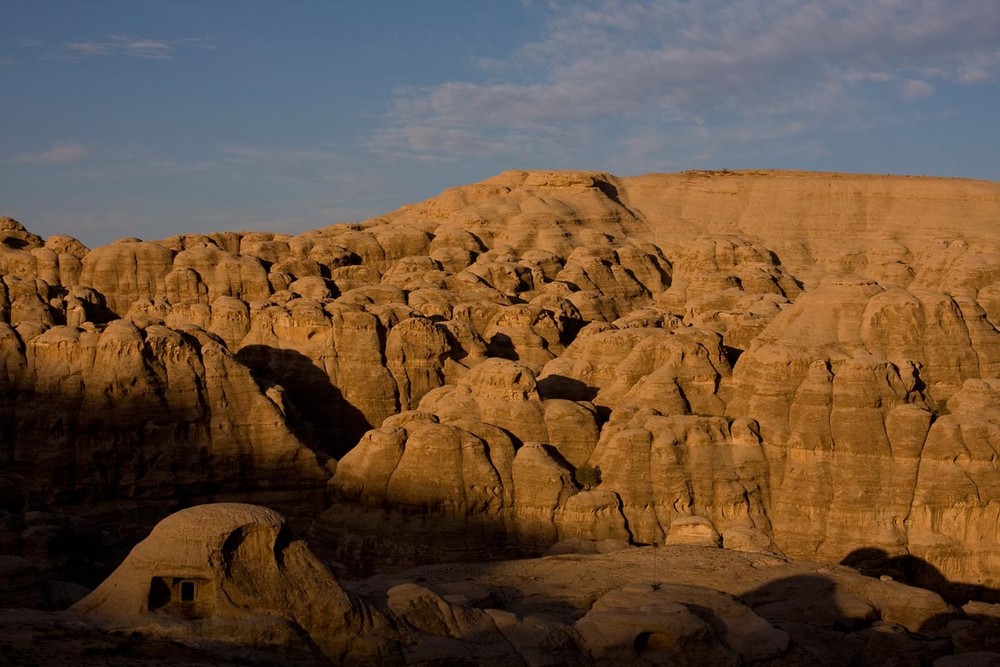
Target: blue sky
x,y
146,118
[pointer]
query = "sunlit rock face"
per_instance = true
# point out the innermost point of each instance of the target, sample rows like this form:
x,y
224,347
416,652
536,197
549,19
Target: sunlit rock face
x,y
797,363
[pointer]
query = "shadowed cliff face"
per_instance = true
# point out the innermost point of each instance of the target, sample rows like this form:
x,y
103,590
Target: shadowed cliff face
x,y
800,363
153,413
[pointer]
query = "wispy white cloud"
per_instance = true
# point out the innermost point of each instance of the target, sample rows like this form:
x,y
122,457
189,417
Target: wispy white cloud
x,y
113,45
434,142
280,156
676,66
303,164
149,49
973,74
89,48
59,152
915,89
321,163
25,43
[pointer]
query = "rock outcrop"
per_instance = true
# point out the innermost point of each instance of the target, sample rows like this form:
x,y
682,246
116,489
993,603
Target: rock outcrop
x,y
145,413
234,573
231,580
784,362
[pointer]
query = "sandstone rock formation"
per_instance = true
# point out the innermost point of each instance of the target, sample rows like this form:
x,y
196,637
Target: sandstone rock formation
x,y
234,573
227,579
778,362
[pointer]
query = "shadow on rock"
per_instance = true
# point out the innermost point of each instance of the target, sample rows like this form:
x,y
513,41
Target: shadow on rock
x,y
821,620
316,411
560,386
914,571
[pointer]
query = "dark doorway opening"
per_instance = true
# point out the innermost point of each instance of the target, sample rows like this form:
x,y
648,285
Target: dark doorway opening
x,y
187,591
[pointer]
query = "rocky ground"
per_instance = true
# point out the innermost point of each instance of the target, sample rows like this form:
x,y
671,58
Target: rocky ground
x,y
263,599
799,364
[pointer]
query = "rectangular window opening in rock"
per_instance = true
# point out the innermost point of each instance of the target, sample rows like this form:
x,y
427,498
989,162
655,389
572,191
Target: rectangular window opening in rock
x,y
187,590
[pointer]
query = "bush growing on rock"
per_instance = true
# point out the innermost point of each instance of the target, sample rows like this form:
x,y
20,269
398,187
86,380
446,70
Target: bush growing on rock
x,y
587,476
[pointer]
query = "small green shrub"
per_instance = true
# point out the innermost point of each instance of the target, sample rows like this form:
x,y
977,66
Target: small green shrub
x,y
587,476
938,408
